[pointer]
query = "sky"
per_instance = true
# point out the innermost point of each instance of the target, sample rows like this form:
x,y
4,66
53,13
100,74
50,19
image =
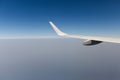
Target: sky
x,y
58,58
81,17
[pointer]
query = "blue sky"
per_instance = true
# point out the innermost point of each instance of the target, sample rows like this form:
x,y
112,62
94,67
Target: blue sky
x,y
86,17
58,59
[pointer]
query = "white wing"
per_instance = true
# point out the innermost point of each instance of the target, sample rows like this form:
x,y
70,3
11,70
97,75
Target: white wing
x,y
95,38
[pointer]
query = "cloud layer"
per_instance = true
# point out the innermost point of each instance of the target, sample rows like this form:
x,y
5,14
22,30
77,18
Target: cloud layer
x,y
58,59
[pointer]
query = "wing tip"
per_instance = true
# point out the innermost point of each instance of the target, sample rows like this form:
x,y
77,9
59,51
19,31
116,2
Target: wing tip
x,y
58,31
50,21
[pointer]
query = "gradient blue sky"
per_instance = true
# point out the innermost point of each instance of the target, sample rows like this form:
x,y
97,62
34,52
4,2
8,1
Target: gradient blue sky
x,y
86,17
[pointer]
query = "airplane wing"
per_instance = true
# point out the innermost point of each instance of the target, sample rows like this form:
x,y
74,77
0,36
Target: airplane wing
x,y
90,40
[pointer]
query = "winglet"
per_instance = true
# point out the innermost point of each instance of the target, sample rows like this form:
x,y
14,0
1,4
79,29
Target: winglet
x,y
59,32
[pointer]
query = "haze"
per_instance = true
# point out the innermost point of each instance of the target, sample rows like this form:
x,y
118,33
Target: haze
x,y
58,59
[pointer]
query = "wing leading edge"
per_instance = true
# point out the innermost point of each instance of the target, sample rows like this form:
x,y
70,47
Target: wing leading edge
x,y
88,38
